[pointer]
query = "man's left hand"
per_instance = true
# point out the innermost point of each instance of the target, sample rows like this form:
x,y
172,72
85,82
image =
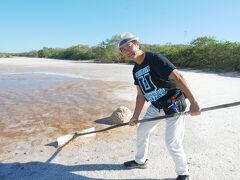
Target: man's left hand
x,y
194,109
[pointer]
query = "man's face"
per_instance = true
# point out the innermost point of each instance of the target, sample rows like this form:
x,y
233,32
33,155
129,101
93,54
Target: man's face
x,y
129,50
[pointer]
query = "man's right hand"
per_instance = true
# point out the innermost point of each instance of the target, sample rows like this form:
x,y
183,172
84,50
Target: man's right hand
x,y
133,121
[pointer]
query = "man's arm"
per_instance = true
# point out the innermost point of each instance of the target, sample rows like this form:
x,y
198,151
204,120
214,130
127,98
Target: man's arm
x,y
181,83
140,100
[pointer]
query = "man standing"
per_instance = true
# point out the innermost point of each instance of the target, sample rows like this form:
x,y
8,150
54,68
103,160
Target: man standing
x,y
158,81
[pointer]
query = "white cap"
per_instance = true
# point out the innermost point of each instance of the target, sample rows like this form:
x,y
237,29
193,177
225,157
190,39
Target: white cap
x,y
126,38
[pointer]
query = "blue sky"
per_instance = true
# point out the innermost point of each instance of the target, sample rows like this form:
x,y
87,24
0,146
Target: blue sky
x,y
30,24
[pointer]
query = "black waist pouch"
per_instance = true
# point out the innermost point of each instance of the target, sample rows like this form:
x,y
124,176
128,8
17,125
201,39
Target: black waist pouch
x,y
172,104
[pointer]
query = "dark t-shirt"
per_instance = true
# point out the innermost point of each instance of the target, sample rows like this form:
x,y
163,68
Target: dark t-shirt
x,y
152,76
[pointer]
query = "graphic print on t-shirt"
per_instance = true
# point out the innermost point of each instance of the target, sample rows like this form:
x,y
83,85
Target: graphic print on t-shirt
x,y
149,89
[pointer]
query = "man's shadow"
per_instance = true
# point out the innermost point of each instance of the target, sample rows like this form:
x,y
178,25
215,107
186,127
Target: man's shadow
x,y
42,170
46,170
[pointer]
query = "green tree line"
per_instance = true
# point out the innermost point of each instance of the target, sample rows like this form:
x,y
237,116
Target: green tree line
x,y
201,53
5,55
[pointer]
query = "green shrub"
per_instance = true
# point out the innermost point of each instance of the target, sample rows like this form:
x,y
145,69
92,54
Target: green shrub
x,y
201,53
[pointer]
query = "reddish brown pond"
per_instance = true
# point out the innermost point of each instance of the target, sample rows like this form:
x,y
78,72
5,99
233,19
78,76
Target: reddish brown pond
x,y
34,106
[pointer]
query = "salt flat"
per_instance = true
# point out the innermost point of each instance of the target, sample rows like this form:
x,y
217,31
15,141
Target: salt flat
x,y
211,140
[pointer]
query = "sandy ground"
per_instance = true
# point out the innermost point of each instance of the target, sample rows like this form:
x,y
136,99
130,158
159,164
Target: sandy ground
x,y
211,140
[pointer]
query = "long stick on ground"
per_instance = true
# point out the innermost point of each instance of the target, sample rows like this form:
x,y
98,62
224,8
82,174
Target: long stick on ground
x,y
75,135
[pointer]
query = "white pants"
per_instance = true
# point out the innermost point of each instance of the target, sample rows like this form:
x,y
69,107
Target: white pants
x,y
174,135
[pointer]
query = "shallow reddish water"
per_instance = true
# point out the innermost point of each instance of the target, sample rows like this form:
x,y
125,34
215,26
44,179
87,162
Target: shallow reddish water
x,y
37,106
